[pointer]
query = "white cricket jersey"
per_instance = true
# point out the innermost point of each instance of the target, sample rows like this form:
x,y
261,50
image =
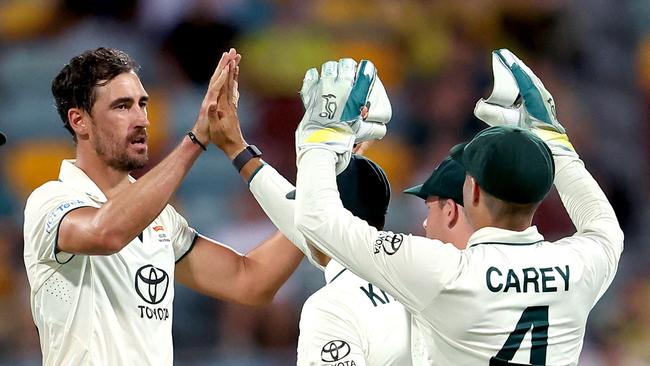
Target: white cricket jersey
x,y
94,309
353,322
349,321
510,296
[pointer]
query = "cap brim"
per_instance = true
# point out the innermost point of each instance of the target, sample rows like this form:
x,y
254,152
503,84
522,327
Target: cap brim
x,y
416,191
3,138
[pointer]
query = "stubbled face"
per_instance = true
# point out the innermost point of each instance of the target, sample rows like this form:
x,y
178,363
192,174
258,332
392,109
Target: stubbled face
x,y
118,128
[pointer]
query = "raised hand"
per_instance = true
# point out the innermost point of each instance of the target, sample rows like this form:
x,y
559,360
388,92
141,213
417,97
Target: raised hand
x,y
520,99
345,104
224,128
209,104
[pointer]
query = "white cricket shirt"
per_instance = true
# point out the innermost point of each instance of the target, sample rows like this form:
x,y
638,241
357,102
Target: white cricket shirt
x,y
349,321
352,322
94,309
510,296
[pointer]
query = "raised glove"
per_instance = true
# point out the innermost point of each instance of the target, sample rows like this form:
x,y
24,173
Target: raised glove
x,y
520,99
333,104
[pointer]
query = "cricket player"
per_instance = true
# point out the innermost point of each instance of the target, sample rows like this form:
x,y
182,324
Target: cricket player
x,y
351,320
102,250
509,298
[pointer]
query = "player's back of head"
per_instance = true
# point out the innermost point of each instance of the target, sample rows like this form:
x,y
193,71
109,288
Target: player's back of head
x,y
513,167
364,190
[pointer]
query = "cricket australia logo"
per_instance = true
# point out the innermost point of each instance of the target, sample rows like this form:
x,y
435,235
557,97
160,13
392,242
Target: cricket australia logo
x,y
330,106
151,284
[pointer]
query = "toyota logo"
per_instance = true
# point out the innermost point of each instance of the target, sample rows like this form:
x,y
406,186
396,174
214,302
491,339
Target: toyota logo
x,y
334,351
392,243
151,284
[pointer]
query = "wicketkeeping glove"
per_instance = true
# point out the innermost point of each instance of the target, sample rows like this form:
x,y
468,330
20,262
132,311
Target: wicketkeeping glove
x,y
520,99
333,105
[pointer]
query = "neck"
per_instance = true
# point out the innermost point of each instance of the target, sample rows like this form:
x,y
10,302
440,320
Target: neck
x,y
108,179
506,223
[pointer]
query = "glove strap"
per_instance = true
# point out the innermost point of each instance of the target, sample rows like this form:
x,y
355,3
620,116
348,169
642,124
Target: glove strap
x,y
251,151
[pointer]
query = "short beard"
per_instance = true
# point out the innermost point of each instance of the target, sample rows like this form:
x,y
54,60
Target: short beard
x,y
122,161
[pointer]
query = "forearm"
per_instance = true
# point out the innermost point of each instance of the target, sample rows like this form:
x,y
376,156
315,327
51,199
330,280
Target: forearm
x,y
321,218
270,189
586,204
129,212
267,267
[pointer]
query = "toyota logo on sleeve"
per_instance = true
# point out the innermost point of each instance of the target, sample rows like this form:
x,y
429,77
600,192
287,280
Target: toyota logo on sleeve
x,y
151,284
334,350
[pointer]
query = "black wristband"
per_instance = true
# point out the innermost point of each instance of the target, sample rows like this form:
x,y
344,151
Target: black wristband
x,y
251,151
196,140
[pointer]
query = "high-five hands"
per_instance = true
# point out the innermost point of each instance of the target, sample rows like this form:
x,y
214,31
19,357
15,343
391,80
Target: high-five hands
x,y
225,131
210,100
520,99
346,103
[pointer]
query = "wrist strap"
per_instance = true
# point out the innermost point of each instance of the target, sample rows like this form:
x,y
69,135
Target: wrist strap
x,y
251,151
196,140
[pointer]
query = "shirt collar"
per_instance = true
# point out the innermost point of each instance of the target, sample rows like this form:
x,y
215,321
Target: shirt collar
x,y
72,175
333,270
493,235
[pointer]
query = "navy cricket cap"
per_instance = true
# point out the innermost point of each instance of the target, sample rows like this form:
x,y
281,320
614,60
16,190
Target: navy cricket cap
x,y
509,163
363,188
3,138
446,181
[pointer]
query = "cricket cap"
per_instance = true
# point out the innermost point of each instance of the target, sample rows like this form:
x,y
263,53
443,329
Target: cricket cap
x,y
446,181
510,163
363,188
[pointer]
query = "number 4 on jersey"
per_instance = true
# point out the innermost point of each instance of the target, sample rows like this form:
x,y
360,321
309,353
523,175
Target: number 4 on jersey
x,y
537,318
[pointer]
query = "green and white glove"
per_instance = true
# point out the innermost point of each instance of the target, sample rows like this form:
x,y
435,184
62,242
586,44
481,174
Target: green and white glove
x,y
520,99
333,103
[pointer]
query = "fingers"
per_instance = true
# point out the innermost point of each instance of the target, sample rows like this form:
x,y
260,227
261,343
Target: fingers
x,y
362,147
496,115
235,87
311,78
226,58
347,68
365,78
329,70
215,89
228,90
223,61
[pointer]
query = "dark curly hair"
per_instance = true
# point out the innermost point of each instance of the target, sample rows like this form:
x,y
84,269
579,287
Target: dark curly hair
x,y
74,86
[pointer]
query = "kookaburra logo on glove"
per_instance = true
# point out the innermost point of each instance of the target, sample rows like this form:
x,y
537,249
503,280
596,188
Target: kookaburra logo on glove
x,y
330,106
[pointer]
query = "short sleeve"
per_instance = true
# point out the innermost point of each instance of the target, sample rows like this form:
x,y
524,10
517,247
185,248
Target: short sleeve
x,y
45,209
327,337
182,235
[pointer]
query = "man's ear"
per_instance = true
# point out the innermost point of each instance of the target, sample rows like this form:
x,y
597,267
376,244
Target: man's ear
x,y
78,120
451,213
476,191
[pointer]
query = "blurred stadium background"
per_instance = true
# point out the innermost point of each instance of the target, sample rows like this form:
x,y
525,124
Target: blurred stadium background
x,y
434,58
